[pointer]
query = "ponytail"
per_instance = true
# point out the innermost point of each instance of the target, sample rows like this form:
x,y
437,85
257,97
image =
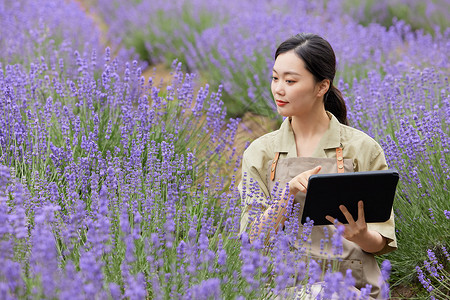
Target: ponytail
x,y
335,104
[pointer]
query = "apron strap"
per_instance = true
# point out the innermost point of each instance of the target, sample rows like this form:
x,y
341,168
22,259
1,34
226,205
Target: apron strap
x,y
339,160
274,166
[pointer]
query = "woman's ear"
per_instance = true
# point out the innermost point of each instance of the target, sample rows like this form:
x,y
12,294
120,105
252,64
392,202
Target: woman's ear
x,y
324,86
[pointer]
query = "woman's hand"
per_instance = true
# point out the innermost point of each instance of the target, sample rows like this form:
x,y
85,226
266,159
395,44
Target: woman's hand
x,y
357,231
354,230
300,182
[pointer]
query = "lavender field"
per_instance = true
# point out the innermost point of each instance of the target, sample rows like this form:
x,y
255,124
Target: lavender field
x,y
115,186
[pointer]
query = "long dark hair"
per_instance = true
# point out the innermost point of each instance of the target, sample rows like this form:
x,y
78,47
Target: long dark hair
x,y
320,60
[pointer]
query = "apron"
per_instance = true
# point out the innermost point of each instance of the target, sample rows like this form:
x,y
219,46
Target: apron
x,y
365,269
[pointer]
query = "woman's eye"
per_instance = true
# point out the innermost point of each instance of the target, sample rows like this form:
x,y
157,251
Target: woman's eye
x,y
274,78
290,81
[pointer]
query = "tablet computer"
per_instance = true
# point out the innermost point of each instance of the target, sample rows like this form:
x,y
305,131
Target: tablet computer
x,y
327,191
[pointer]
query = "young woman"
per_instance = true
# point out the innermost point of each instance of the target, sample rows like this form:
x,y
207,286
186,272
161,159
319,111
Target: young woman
x,y
314,138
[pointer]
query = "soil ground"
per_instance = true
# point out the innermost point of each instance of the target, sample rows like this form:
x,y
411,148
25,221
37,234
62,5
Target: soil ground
x,y
402,292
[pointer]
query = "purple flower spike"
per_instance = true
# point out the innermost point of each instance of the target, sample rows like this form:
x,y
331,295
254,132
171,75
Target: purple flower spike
x,y
446,254
314,273
207,289
222,254
365,292
337,240
424,280
348,291
385,273
332,284
447,214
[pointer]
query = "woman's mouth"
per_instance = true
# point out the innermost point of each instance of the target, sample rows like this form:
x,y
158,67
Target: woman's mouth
x,y
281,103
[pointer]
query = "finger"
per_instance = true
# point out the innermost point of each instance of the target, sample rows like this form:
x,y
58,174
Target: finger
x,y
317,169
296,186
334,221
304,183
302,187
330,218
347,214
361,216
305,177
313,171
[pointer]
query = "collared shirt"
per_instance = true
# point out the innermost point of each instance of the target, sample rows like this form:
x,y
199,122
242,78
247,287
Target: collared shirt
x,y
365,152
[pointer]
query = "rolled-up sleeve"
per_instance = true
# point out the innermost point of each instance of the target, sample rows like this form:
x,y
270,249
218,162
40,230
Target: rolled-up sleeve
x,y
377,161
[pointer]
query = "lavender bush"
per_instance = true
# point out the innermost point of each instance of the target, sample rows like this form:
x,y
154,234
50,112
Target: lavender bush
x,y
409,115
31,30
160,31
58,34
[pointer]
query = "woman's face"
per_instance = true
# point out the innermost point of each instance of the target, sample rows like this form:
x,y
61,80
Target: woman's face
x,y
293,87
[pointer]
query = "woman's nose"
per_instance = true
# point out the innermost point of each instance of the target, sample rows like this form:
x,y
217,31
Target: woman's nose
x,y
279,88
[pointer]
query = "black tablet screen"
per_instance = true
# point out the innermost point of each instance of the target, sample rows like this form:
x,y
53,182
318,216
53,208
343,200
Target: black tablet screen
x,y
327,191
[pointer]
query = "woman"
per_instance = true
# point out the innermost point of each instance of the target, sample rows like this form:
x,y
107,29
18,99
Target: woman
x,y
314,138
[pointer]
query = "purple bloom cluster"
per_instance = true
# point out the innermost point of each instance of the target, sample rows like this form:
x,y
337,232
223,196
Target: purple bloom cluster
x,y
434,273
447,213
292,270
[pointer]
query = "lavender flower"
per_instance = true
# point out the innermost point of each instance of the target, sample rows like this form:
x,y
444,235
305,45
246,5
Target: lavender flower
x,y
365,292
385,273
447,214
222,254
207,289
337,240
444,250
424,280
332,284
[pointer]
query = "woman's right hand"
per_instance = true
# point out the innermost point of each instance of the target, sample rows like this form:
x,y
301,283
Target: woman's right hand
x,y
300,182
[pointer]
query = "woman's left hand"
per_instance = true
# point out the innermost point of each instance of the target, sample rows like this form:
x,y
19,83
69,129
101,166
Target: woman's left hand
x,y
355,231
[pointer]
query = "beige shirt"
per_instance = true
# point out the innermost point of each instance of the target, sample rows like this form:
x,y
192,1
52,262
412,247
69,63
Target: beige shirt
x,y
365,152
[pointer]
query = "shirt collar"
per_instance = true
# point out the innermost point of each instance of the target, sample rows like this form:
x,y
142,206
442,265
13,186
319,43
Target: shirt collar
x,y
285,140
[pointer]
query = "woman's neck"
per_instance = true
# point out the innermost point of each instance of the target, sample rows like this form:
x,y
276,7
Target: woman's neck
x,y
308,130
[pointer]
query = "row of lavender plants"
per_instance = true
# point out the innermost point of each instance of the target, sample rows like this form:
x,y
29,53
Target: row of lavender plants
x,y
31,30
421,15
234,42
51,30
409,115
